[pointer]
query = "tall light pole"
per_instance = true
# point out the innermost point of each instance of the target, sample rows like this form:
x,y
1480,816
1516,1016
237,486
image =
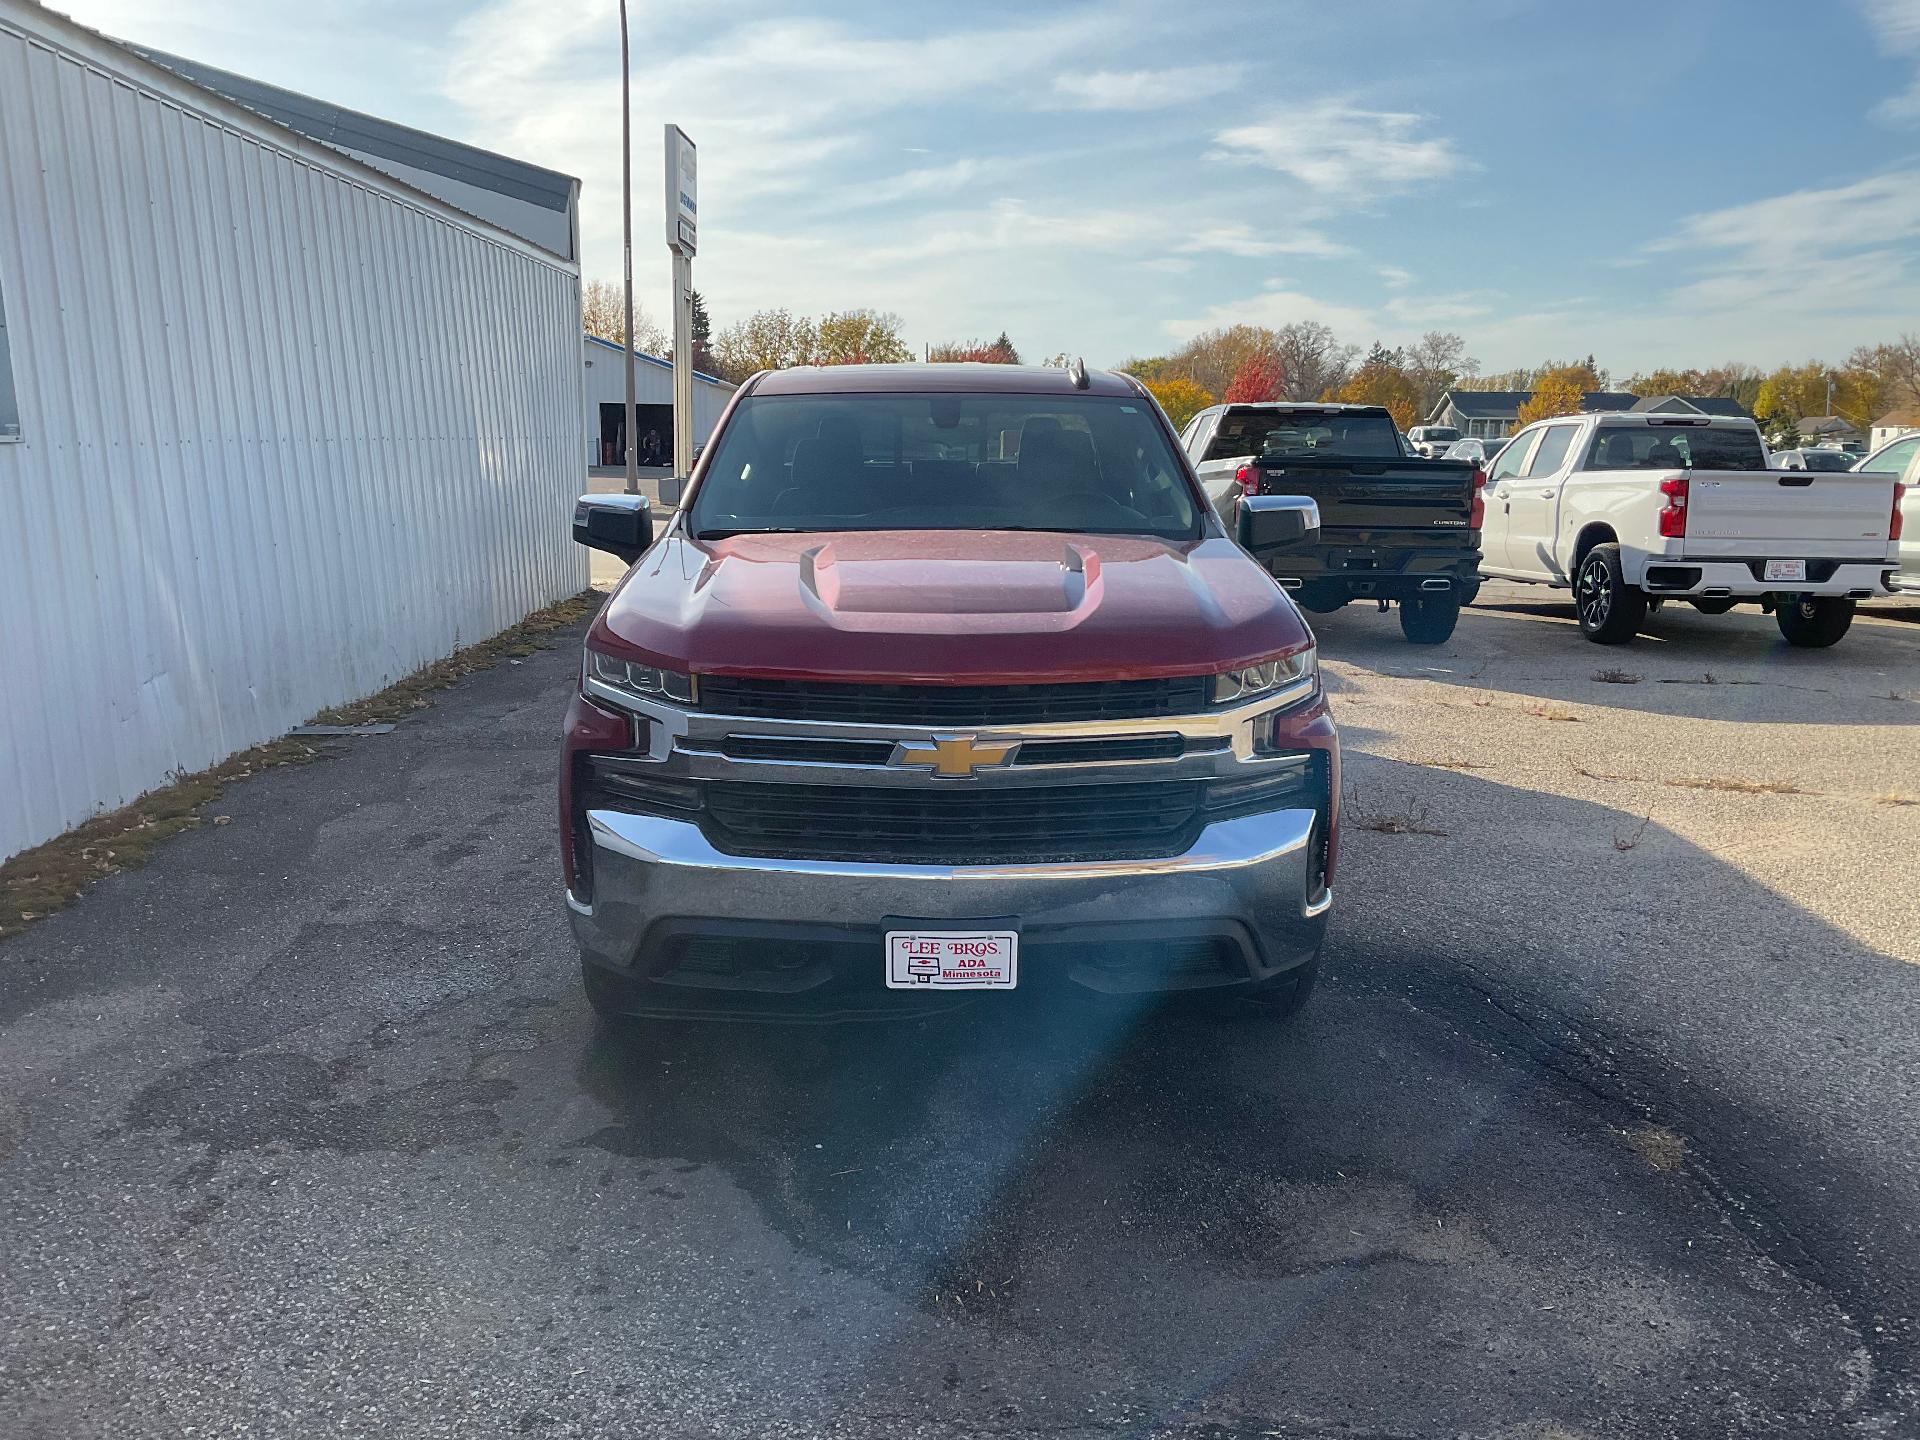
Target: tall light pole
x,y
626,211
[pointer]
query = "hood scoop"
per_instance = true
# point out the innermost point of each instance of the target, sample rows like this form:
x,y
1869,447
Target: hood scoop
x,y
989,585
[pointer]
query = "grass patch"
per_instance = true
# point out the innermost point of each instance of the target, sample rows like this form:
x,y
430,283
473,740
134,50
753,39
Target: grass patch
x,y
1542,711
1663,1149
1738,787
1896,797
51,876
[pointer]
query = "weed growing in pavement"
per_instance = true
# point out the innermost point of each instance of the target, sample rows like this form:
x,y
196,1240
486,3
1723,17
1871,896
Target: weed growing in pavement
x,y
1543,711
1665,1150
1627,842
1739,787
1896,797
51,876
1617,677
1415,819
1451,763
1608,776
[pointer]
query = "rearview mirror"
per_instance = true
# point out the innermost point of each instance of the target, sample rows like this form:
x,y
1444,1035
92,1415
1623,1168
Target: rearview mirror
x,y
621,525
1271,522
672,488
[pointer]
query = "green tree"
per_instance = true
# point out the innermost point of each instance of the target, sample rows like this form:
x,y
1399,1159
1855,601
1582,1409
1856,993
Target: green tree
x,y
1180,398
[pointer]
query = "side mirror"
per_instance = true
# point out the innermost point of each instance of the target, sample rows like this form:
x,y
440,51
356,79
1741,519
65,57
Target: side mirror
x,y
1271,522
673,489
621,525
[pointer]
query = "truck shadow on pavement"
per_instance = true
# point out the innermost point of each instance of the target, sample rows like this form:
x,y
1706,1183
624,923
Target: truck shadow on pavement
x,y
1726,667
1478,1154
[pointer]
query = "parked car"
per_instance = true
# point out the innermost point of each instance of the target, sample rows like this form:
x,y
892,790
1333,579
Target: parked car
x,y
1813,458
1430,442
1901,459
944,679
1391,528
1630,509
1480,450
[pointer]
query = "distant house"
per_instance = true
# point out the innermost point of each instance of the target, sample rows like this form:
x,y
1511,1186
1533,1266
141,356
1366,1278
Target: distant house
x,y
1496,413
1831,430
1892,425
1692,405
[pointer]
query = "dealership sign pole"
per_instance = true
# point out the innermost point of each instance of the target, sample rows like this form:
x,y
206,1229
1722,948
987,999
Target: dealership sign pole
x,y
630,441
682,218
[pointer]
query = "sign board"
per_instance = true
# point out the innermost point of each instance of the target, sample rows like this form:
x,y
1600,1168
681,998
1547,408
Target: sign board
x,y
682,210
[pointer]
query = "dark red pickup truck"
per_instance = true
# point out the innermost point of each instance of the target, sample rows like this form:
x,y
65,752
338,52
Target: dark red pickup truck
x,y
944,679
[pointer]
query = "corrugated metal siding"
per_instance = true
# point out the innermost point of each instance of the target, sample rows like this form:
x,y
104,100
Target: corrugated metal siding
x,y
287,436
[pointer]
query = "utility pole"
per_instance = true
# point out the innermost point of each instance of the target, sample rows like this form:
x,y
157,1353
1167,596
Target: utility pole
x,y
626,211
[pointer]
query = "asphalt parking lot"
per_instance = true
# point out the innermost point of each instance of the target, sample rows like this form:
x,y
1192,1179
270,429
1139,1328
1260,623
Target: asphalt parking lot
x,y
1606,1120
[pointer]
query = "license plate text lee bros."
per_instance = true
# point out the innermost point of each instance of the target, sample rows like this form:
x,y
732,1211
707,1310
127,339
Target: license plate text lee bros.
x,y
951,960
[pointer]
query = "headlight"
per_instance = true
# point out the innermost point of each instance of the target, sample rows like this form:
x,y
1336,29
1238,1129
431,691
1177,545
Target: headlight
x,y
642,682
1286,673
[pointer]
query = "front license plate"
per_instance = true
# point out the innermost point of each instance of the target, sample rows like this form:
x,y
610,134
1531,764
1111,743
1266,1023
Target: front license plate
x,y
952,959
1786,570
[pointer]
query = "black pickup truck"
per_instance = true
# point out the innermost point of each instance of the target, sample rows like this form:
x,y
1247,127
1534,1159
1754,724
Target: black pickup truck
x,y
1392,526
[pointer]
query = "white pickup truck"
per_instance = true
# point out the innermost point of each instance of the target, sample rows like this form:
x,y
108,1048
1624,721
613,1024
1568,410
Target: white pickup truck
x,y
1630,510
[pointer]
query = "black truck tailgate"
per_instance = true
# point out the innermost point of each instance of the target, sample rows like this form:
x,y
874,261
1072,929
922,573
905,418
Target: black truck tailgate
x,y
1376,495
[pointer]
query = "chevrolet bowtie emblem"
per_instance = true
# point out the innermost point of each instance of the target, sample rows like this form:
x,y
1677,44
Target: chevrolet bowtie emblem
x,y
953,755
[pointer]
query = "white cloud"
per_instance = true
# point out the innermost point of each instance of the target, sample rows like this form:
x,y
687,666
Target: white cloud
x,y
1840,249
1144,89
1342,151
1396,276
1276,306
1897,24
1239,238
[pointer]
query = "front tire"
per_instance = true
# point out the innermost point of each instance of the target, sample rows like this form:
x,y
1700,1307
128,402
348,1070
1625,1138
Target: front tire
x,y
1611,611
1429,619
1814,622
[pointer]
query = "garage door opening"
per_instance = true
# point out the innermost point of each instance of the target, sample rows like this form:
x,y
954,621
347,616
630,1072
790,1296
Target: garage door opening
x,y
654,427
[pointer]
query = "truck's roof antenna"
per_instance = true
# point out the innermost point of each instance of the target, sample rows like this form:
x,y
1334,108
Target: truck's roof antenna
x,y
1077,373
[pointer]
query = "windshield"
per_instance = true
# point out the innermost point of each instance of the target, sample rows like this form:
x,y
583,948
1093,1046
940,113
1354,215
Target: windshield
x,y
1082,464
1675,447
1303,432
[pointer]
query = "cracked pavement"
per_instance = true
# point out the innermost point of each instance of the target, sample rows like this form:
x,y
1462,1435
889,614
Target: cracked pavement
x,y
1605,1122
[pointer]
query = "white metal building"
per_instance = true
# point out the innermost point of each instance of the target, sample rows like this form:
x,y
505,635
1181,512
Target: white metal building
x,y
280,422
605,388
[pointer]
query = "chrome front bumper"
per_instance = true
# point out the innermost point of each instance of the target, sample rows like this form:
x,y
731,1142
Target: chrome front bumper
x,y
1248,885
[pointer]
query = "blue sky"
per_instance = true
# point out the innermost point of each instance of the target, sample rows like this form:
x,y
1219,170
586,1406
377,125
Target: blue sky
x,y
1680,182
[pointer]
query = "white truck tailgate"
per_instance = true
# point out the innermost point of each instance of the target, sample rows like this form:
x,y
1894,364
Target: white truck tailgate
x,y
1788,513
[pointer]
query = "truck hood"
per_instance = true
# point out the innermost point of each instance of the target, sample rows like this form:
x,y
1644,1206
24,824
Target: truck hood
x,y
948,607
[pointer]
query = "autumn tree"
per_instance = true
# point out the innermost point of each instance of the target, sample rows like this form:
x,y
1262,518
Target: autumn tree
x,y
985,352
1210,358
1151,367
1559,392
1180,398
1258,378
1382,379
860,337
765,340
1435,362
1312,359
603,312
